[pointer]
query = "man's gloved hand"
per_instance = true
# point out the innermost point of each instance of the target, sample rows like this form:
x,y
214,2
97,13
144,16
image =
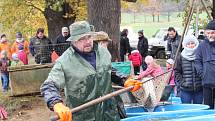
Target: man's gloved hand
x,y
135,83
63,112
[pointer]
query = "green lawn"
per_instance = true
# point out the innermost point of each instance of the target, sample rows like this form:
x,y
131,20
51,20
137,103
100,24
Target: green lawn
x,y
145,22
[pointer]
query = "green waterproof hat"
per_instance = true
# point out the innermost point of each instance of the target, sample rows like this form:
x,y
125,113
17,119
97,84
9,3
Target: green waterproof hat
x,y
78,30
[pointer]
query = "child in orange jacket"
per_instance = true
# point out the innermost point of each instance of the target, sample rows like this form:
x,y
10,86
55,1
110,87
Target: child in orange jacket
x,y
4,45
20,40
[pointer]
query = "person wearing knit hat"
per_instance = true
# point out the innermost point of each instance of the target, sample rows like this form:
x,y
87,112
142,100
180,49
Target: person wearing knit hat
x,y
20,40
65,30
140,32
205,64
211,25
190,44
169,67
153,69
149,60
142,46
15,61
170,61
15,57
136,60
61,45
210,31
22,55
189,81
19,37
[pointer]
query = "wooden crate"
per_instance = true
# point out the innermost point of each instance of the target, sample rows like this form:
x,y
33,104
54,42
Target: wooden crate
x,y
27,79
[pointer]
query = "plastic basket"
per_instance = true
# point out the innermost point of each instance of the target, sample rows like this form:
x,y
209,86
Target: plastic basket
x,y
123,67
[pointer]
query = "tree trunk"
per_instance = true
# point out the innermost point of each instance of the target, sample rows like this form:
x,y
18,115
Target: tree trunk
x,y
168,16
56,21
105,16
144,18
158,18
153,17
213,10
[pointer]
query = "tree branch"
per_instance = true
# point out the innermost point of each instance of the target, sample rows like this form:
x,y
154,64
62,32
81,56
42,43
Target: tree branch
x,y
29,3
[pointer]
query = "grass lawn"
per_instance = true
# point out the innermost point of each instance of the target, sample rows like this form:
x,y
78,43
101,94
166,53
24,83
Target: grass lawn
x,y
145,22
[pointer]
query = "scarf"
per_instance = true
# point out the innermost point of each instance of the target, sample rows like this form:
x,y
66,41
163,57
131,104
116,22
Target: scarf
x,y
189,53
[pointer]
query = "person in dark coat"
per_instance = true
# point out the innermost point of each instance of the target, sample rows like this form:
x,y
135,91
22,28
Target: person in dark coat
x,y
124,45
41,47
201,36
205,64
173,40
189,81
142,47
61,43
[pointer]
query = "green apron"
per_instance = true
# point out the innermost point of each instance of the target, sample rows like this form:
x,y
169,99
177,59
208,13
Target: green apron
x,y
82,83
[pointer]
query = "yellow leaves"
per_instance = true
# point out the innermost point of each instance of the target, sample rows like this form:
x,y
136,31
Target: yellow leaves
x,y
137,6
27,15
80,9
82,13
57,6
124,5
144,2
21,16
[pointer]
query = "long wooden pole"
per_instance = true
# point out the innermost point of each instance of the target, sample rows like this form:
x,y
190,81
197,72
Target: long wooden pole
x,y
206,9
184,31
96,101
197,21
103,98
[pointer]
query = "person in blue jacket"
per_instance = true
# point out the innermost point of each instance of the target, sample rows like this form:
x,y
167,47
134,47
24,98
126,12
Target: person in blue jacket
x,y
205,64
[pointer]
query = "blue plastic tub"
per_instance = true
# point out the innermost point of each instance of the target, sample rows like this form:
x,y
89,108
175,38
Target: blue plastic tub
x,y
137,111
197,118
175,100
174,116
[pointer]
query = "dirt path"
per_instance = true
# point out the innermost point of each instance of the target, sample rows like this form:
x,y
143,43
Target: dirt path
x,y
35,112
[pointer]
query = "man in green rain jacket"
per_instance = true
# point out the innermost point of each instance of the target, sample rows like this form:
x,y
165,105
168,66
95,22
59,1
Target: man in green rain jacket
x,y
84,72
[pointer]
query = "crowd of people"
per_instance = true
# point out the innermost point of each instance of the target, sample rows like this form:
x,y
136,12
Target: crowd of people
x,y
193,68
191,79
40,47
84,70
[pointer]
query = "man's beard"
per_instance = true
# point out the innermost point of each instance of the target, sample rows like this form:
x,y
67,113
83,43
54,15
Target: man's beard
x,y
211,39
